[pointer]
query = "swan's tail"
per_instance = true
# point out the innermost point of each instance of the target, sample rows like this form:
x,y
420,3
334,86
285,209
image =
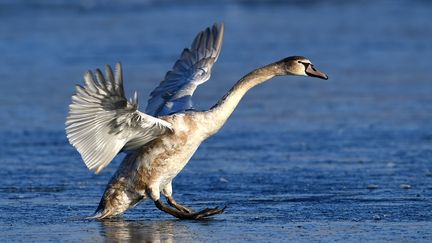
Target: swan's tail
x,y
100,215
102,211
115,202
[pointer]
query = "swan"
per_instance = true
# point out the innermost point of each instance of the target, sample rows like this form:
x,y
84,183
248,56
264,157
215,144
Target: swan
x,y
159,142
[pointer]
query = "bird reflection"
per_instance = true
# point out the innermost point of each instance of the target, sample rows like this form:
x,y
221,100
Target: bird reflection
x,y
120,230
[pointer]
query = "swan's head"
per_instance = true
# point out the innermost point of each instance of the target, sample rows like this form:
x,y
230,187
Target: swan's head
x,y
300,66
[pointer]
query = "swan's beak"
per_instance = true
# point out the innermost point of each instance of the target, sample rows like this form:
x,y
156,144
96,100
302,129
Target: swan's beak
x,y
313,72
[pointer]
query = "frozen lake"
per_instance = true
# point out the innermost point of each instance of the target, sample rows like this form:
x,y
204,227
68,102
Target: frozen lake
x,y
299,160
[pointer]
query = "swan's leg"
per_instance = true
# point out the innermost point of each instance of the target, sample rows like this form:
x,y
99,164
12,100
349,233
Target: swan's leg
x,y
154,194
167,192
172,202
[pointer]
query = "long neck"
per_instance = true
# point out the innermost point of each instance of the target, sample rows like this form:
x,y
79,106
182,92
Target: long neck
x,y
220,112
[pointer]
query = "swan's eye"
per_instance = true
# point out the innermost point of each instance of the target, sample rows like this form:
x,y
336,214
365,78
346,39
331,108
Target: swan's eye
x,y
304,63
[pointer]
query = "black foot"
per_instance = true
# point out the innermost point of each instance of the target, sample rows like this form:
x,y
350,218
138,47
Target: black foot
x,y
189,215
209,212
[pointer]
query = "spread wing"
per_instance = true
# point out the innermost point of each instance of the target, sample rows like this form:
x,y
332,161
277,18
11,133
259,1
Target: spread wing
x,y
102,121
193,68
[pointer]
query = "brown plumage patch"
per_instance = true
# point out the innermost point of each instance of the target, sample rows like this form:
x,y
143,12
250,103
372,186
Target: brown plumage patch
x,y
142,171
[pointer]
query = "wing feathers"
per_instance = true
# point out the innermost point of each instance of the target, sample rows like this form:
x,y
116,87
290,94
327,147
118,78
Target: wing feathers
x,y
190,70
101,121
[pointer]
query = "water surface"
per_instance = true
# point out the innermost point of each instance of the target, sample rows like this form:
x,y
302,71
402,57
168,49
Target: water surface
x,y
293,163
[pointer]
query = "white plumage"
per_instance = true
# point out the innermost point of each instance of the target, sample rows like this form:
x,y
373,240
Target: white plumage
x,y
102,121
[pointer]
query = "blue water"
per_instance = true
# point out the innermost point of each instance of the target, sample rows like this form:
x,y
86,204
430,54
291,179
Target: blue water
x,y
300,159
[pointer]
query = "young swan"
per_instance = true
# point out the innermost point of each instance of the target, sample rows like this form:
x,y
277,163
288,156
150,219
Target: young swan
x,y
160,142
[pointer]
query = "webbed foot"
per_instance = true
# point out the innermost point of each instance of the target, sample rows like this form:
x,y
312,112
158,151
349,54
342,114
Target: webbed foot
x,y
178,213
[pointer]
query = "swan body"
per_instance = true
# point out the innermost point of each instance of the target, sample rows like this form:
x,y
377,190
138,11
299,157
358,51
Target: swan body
x,y
161,141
